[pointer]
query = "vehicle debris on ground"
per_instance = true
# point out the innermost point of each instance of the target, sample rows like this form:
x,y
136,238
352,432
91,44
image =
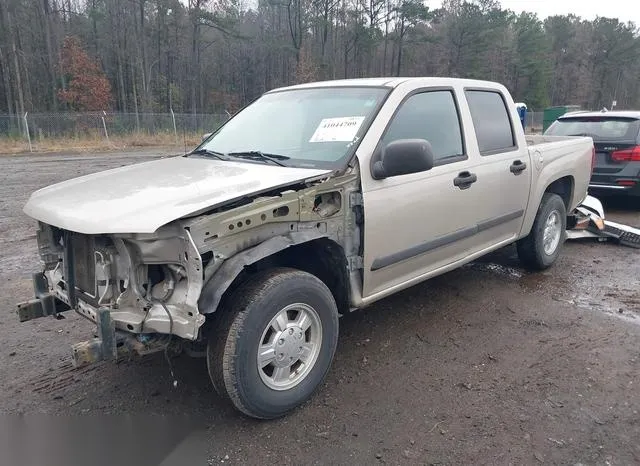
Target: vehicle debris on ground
x,y
589,222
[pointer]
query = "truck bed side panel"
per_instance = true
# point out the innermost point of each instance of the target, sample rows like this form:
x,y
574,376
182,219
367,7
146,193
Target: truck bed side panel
x,y
553,158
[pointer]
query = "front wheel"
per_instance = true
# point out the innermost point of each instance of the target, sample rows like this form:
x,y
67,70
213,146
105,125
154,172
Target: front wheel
x,y
541,247
274,343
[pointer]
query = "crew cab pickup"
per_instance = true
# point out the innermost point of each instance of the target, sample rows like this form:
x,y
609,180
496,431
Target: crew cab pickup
x,y
312,201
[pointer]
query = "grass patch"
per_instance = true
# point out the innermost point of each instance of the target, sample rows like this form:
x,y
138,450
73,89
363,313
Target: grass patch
x,y
96,143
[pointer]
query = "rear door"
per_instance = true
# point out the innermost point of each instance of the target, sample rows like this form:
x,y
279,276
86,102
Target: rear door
x,y
503,170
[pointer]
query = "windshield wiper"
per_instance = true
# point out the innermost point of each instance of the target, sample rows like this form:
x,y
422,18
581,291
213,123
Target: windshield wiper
x,y
258,155
214,153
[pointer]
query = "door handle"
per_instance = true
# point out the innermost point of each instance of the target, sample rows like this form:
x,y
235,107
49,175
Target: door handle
x,y
517,167
465,179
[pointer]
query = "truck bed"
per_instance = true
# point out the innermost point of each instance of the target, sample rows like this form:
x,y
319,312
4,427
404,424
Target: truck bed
x,y
561,156
539,139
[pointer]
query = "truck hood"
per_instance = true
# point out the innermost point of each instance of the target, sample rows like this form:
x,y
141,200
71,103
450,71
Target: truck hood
x,y
142,197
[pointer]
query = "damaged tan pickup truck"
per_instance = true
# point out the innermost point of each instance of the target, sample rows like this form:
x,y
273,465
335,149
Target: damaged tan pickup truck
x,y
312,201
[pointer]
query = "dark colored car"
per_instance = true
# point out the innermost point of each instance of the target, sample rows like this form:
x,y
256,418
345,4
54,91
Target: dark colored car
x,y
616,137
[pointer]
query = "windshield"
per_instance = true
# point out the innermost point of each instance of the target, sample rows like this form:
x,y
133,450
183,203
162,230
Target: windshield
x,y
304,127
598,128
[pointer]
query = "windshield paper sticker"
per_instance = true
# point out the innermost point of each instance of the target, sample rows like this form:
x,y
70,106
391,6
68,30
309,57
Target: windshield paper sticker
x,y
341,129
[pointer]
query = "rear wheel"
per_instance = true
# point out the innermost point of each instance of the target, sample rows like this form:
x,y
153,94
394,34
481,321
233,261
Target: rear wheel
x,y
540,249
274,343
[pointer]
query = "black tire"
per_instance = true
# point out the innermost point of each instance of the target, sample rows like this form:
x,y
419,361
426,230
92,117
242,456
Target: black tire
x,y
531,248
234,339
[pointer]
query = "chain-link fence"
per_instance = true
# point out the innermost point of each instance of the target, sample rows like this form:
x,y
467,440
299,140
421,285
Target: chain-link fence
x,y
533,122
53,131
11,126
40,131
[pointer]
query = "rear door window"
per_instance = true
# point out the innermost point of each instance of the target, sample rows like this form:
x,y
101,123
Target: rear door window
x,y
494,130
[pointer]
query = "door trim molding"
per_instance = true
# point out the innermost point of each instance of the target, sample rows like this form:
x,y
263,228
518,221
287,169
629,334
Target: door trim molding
x,y
464,233
494,222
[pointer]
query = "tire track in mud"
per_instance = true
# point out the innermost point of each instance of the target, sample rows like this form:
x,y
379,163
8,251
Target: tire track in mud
x,y
61,378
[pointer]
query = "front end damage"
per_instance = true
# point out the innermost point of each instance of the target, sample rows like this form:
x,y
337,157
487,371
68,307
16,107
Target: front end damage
x,y
138,289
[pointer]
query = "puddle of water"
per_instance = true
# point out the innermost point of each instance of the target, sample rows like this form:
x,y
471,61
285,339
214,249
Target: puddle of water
x,y
605,297
586,303
529,281
495,268
536,281
603,300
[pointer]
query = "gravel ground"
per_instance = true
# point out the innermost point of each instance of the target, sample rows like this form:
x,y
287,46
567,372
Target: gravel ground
x,y
484,365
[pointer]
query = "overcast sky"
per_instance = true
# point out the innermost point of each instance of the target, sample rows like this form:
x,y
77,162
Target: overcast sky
x,y
624,10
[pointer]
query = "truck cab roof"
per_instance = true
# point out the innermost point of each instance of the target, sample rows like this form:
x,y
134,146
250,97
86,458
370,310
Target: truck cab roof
x,y
390,82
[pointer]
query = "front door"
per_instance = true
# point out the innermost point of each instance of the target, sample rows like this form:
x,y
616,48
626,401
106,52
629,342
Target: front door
x,y
420,222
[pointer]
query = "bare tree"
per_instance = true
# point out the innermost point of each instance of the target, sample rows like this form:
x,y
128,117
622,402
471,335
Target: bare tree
x,y
205,55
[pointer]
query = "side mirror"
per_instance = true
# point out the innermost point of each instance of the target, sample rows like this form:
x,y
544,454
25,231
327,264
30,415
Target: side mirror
x,y
206,135
403,157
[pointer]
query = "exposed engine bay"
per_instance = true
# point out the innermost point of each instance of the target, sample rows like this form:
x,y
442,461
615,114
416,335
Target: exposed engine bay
x,y
146,287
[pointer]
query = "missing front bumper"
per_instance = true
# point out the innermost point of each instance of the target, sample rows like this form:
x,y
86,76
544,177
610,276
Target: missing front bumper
x,y
109,345
115,345
105,347
45,304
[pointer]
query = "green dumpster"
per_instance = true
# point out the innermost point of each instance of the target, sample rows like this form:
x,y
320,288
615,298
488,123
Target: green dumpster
x,y
551,114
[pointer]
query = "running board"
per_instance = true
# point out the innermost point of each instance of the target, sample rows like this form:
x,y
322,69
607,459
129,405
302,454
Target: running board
x,y
623,234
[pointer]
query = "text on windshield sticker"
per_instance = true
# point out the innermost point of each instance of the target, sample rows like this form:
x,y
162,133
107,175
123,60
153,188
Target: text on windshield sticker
x,y
337,129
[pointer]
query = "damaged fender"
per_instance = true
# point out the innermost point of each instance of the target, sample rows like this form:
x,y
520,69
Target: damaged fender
x,y
215,288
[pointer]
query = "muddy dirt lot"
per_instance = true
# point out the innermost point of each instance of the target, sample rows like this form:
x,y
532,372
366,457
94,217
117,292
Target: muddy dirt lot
x,y
484,365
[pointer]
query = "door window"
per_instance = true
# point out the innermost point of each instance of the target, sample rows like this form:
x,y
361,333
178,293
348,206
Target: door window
x,y
433,116
491,122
